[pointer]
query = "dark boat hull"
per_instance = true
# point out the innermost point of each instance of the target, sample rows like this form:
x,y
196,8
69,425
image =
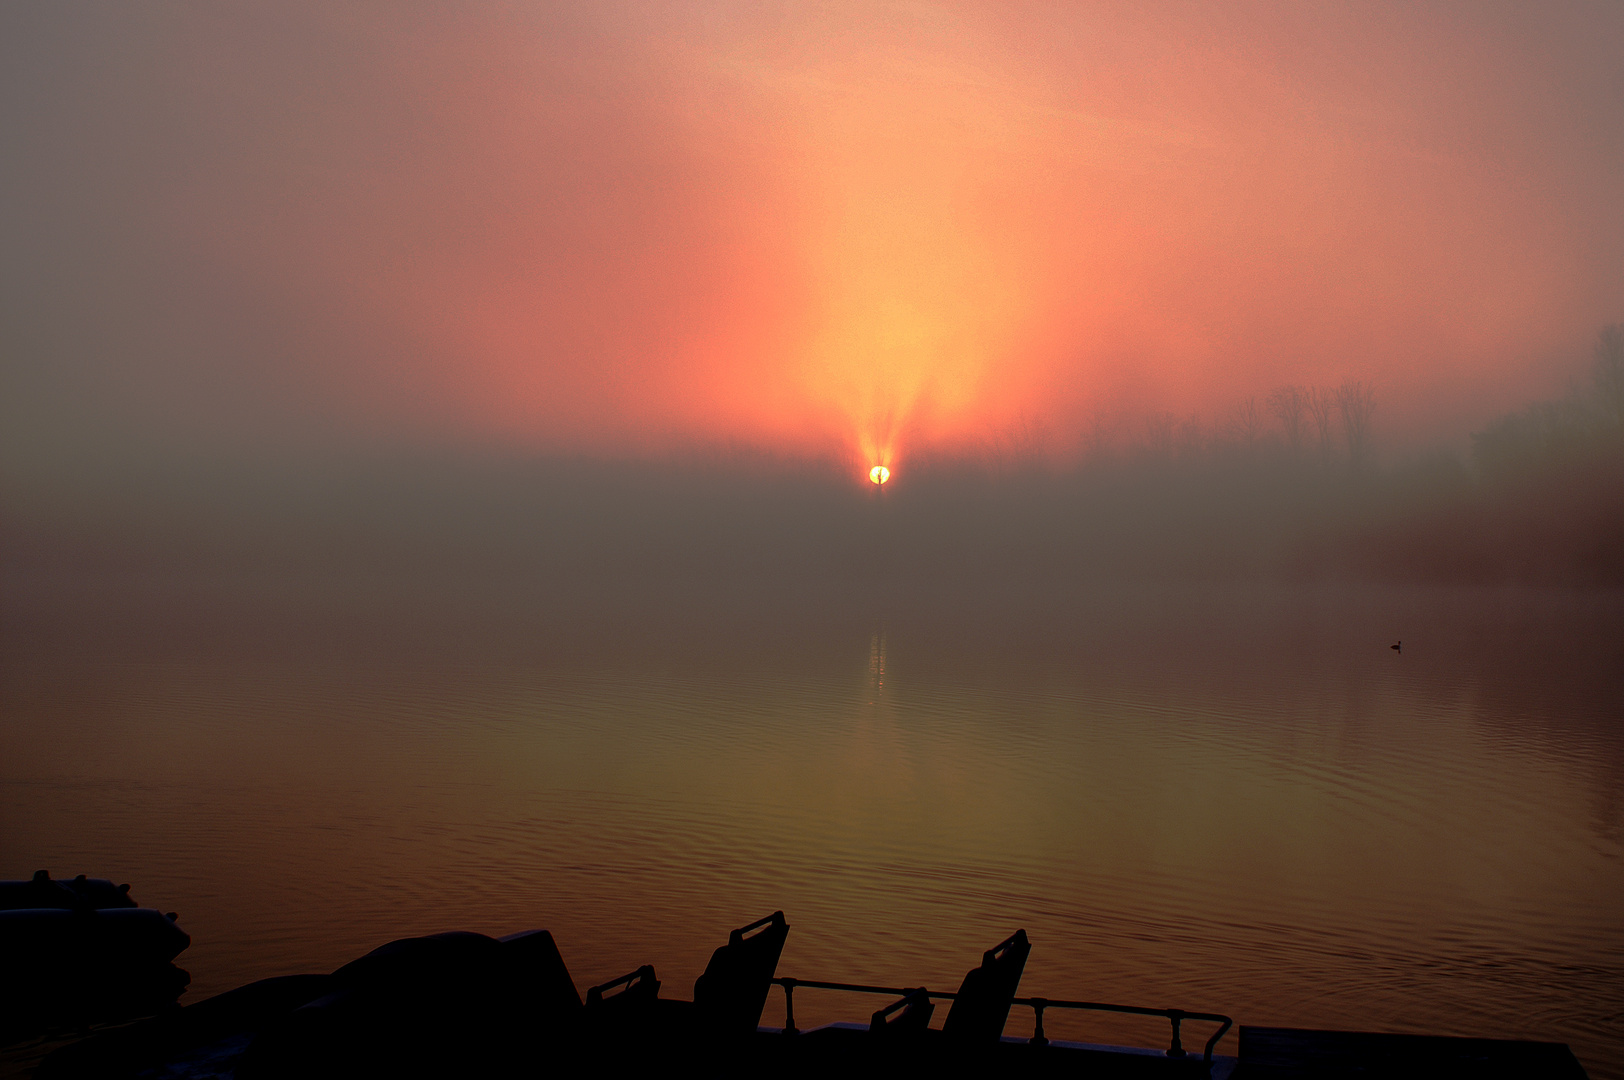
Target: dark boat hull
x,y
462,1004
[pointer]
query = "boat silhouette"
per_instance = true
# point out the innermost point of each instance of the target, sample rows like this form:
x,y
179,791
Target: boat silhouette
x,y
463,1004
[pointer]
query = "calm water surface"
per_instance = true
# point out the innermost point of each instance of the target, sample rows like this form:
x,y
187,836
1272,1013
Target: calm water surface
x,y
1229,799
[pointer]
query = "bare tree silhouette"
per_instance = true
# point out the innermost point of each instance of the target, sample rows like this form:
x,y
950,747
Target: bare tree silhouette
x,y
1023,444
1321,405
1159,428
1609,372
1189,438
1356,402
1102,428
1289,403
1248,423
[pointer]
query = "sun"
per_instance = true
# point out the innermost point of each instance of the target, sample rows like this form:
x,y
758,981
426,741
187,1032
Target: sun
x,y
879,474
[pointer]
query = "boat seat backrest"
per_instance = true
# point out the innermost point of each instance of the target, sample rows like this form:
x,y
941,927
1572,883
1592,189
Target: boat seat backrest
x,y
733,990
639,985
909,1013
625,1006
981,1006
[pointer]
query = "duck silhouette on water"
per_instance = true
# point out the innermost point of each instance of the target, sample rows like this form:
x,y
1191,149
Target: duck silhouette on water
x,y
1398,647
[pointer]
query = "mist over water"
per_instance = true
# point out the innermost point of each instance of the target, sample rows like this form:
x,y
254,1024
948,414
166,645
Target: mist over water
x,y
1207,795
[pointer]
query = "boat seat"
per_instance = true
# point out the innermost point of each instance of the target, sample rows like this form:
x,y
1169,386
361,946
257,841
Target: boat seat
x,y
623,1006
731,993
904,1017
981,1006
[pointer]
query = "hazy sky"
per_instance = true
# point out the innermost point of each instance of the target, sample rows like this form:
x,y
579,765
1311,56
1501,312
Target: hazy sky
x,y
860,229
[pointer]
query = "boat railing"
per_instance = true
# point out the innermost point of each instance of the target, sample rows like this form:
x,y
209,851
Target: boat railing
x,y
1038,1005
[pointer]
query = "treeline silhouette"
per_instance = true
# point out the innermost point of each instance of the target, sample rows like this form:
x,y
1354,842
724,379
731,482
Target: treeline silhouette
x,y
1289,486
1547,493
1319,423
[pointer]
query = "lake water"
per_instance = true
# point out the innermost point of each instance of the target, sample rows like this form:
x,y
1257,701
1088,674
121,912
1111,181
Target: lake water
x,y
1223,798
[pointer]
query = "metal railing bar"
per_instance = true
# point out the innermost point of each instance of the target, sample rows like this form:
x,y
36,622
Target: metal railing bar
x,y
859,988
1056,1003
1036,1004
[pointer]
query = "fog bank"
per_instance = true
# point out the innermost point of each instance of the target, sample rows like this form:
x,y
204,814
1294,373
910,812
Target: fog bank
x,y
1539,500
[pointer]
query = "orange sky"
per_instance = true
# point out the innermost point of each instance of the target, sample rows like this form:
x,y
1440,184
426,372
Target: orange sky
x,y
866,229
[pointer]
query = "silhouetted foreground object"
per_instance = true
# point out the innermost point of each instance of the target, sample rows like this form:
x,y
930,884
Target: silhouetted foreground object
x,y
207,1039
731,993
981,1008
43,891
623,1010
80,951
1288,1054
461,1004
447,1004
904,1017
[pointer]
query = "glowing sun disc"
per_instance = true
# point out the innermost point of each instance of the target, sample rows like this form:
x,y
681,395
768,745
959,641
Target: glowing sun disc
x,y
879,474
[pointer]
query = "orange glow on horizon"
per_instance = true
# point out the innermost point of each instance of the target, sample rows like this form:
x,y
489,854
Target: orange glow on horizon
x,y
856,231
